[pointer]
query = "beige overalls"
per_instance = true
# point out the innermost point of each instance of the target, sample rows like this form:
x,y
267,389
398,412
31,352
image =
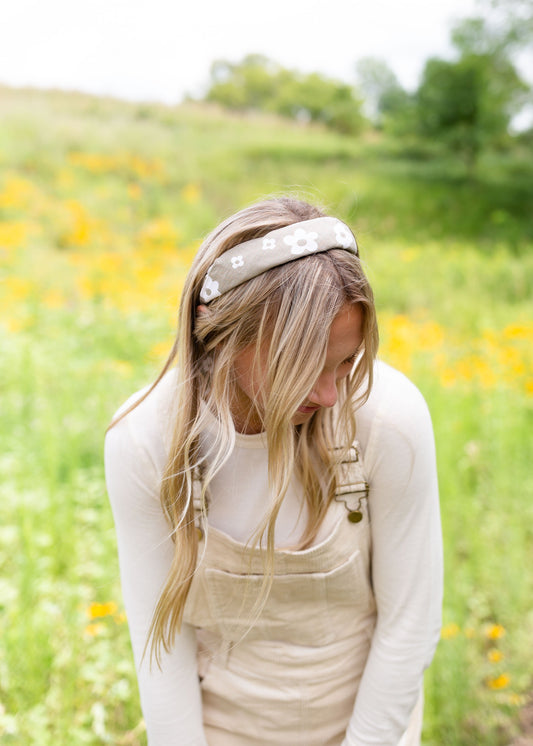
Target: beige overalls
x,y
289,677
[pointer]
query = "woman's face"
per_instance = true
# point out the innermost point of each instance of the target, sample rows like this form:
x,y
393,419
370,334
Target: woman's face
x,y
345,337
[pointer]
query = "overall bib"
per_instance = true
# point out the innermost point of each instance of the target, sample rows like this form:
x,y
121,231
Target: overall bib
x,y
289,675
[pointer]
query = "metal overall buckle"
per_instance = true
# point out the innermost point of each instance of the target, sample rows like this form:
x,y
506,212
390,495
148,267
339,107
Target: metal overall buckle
x,y
350,491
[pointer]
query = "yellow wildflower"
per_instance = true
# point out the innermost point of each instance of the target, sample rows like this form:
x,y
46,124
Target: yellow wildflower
x,y
94,629
400,341
12,235
449,631
511,360
16,193
500,682
97,610
143,167
159,233
79,229
519,331
430,335
191,194
495,656
448,377
495,631
99,163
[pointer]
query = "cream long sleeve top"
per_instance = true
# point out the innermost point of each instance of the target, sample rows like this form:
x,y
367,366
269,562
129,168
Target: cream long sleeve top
x,y
395,434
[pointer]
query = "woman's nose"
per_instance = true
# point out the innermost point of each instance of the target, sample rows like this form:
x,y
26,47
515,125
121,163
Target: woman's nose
x,y
324,392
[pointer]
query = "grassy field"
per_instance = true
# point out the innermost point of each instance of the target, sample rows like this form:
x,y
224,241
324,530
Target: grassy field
x,y
102,206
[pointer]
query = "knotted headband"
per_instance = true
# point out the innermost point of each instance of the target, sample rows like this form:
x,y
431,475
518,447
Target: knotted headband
x,y
252,258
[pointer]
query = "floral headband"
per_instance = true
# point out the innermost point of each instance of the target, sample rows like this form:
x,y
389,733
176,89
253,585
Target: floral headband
x,y
252,258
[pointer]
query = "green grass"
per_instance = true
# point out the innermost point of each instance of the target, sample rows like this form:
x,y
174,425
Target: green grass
x,y
91,290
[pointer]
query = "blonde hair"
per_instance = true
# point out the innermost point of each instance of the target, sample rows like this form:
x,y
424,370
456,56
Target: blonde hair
x,y
287,311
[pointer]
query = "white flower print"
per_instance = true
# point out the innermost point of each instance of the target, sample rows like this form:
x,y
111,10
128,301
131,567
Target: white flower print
x,y
301,241
209,289
269,244
344,236
237,261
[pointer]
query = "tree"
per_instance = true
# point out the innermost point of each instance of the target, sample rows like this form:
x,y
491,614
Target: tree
x,y
468,103
258,83
384,97
319,99
249,84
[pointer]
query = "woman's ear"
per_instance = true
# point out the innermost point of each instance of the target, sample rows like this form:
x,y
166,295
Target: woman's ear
x,y
201,309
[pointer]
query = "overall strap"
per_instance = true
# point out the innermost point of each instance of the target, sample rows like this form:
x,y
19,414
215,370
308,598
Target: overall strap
x,y
200,514
352,484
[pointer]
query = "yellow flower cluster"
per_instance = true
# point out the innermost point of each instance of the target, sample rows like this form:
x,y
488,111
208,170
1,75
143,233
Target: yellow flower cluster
x,y
100,611
128,163
97,610
497,359
17,192
495,631
13,235
499,682
92,261
159,234
145,269
449,631
490,633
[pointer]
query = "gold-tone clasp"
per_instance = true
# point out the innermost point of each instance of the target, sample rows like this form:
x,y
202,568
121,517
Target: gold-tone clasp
x,y
350,483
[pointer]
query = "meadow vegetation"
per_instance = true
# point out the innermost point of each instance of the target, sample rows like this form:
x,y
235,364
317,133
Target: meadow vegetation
x,y
102,206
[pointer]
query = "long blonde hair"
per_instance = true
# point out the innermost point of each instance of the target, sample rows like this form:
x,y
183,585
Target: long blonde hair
x,y
288,311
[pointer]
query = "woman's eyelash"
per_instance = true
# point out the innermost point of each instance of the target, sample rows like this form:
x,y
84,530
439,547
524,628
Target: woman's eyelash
x,y
353,357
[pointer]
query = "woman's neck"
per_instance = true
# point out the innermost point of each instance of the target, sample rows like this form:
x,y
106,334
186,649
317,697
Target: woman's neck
x,y
246,417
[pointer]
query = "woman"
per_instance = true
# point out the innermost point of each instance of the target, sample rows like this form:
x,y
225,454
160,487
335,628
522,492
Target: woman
x,y
282,579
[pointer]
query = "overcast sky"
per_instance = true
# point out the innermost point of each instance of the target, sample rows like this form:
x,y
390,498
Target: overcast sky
x,y
162,49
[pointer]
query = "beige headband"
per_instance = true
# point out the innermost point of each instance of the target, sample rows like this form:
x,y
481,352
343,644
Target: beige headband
x,y
252,258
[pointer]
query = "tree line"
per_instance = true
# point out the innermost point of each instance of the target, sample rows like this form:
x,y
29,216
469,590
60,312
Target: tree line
x,y
465,104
